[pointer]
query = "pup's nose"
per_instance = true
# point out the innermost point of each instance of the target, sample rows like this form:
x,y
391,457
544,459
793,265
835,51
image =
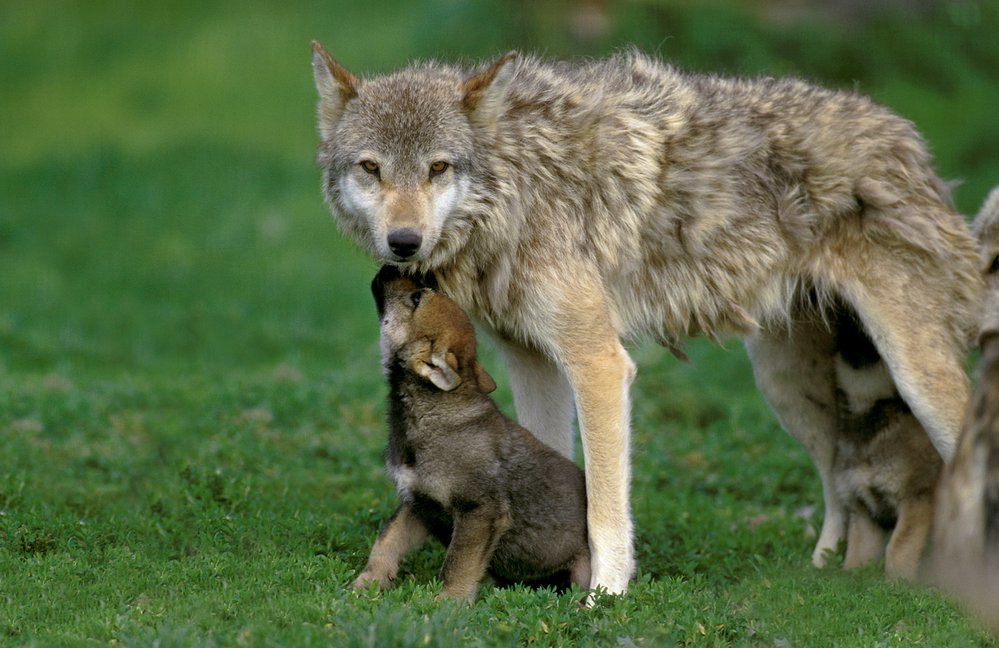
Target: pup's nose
x,y
404,242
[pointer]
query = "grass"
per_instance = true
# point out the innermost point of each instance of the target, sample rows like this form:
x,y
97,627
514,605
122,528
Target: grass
x,y
190,403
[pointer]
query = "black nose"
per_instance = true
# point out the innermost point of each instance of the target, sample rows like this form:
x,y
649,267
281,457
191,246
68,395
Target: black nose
x,y
404,242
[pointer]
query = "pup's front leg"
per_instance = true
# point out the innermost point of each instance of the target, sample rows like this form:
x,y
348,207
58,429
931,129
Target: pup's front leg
x,y
476,532
401,532
905,549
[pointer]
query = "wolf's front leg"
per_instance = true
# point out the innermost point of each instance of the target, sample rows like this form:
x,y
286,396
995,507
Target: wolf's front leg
x,y
601,373
541,394
402,532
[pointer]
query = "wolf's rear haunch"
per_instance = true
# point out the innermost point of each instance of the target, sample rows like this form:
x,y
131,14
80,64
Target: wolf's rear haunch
x,y
570,205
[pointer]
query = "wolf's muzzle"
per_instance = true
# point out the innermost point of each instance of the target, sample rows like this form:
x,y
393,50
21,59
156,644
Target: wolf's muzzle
x,y
404,242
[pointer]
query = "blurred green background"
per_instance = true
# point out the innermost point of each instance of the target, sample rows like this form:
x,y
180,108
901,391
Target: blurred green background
x,y
158,200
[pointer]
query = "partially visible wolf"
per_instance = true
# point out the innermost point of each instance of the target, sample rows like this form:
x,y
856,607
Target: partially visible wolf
x,y
965,551
570,205
885,469
499,499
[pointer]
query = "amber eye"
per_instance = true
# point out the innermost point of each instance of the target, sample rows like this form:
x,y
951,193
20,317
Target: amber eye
x,y
438,167
369,166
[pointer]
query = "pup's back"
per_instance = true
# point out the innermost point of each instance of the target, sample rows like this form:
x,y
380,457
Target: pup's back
x,y
456,455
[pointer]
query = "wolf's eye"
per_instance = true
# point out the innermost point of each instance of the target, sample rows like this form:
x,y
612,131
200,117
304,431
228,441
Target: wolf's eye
x,y
995,266
438,167
416,297
370,167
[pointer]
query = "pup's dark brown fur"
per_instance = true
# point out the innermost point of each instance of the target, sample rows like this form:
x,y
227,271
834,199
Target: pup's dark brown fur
x,y
501,500
965,555
885,468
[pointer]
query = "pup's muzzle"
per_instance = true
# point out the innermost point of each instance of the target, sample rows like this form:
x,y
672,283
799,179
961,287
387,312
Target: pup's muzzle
x,y
389,273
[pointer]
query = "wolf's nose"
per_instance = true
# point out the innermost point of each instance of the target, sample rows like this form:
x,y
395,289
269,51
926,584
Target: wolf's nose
x,y
404,242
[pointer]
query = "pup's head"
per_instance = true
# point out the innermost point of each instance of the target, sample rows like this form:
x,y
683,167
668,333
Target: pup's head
x,y
425,332
397,152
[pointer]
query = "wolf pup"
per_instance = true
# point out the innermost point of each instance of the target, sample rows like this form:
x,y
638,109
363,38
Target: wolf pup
x,y
885,469
501,500
571,205
965,555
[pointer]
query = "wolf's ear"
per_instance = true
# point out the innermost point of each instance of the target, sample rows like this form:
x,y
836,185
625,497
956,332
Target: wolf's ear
x,y
482,93
440,369
486,382
336,86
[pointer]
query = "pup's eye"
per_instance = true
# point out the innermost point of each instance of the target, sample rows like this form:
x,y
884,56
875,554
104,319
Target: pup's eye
x,y
416,297
369,166
995,266
438,167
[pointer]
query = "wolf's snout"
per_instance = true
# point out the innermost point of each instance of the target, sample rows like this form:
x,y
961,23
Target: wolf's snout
x,y
404,242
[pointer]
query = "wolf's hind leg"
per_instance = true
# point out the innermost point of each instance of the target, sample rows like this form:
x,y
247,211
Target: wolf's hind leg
x,y
542,396
918,345
794,370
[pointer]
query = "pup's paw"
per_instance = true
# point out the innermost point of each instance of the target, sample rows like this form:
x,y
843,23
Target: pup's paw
x,y
367,576
458,594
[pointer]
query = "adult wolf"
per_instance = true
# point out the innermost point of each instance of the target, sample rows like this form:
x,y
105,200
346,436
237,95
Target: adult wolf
x,y
570,205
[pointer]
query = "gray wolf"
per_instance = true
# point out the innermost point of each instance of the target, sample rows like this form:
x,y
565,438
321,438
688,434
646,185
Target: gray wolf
x,y
965,551
885,469
572,206
499,499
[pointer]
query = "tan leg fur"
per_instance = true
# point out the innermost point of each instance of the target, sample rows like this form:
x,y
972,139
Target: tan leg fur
x,y
402,532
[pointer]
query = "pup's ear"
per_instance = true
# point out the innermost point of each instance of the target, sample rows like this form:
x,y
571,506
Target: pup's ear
x,y
483,92
335,85
486,382
440,369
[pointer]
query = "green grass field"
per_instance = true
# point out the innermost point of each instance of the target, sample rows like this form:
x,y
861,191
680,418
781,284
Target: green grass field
x,y
191,418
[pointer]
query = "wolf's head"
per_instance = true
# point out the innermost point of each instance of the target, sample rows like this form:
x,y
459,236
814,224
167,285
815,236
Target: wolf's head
x,y
425,332
397,152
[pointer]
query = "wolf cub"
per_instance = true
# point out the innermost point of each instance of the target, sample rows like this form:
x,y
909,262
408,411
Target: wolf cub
x,y
499,499
885,468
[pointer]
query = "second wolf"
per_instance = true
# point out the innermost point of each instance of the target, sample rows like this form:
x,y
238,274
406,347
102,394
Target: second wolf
x,y
571,205
965,555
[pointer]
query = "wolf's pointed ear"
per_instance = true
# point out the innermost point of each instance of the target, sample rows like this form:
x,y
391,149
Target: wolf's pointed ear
x,y
486,382
335,85
440,369
482,93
